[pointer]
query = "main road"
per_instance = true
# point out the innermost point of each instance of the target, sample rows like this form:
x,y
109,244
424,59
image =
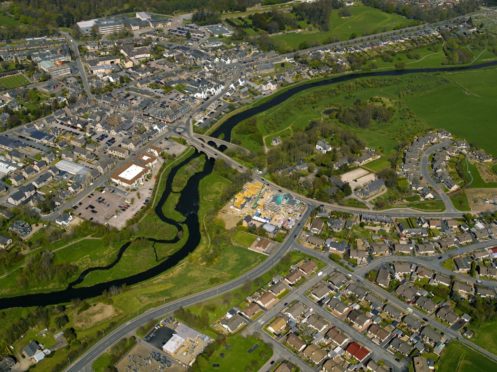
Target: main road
x,y
84,363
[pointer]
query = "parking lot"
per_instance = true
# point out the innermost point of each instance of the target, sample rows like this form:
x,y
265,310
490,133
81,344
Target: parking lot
x,y
101,206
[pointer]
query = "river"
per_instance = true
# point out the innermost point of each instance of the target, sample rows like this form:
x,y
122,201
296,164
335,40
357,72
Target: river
x,y
188,204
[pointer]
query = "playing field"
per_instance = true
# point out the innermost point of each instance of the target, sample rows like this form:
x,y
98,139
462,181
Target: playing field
x,y
363,21
458,358
13,81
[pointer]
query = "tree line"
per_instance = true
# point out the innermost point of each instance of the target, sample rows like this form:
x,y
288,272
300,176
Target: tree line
x,y
42,17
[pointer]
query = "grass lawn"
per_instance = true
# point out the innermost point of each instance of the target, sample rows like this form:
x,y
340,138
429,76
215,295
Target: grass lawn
x,y
458,358
378,165
486,335
449,264
460,200
476,181
235,353
243,239
364,20
6,21
465,103
13,81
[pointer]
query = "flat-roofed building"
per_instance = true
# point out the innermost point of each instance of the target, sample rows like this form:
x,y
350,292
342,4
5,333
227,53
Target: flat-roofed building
x,y
130,175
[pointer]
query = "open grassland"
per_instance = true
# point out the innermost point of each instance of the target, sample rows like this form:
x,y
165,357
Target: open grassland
x,y
235,353
458,358
362,21
461,102
486,335
13,81
464,104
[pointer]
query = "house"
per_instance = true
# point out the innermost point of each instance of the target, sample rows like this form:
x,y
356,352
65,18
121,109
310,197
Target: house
x,y
392,311
277,326
33,351
337,307
357,351
377,333
317,226
383,277
361,256
295,342
441,279
64,219
379,249
399,346
267,300
485,292
5,242
317,322
308,267
320,291
296,311
323,147
463,289
420,364
412,322
375,301
426,304
463,264
407,291
294,277
234,323
358,319
336,247
316,241
337,278
358,291
336,336
402,249
251,311
447,315
431,337
278,288
315,354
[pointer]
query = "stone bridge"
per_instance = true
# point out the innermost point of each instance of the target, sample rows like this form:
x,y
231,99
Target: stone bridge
x,y
217,142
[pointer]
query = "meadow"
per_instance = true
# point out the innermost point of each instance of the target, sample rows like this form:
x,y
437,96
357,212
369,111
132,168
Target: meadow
x,y
458,358
362,21
13,81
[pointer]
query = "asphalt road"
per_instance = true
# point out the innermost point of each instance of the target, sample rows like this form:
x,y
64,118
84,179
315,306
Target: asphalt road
x,y
86,360
82,71
426,172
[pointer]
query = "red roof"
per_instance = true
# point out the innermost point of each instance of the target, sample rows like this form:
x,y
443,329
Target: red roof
x,y
494,249
357,351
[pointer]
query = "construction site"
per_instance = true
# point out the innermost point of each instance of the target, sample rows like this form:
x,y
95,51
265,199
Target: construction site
x,y
263,206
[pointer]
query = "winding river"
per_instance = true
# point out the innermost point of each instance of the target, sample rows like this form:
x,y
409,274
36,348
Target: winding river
x,y
188,204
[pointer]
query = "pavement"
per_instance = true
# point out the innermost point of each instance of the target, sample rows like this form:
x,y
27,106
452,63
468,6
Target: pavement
x,y
85,362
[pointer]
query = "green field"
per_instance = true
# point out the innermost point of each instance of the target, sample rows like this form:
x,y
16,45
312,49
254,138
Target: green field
x,y
476,181
464,101
13,81
363,21
486,335
458,358
460,200
235,353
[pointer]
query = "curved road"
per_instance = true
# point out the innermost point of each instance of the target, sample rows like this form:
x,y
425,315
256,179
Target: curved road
x,y
84,362
426,172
